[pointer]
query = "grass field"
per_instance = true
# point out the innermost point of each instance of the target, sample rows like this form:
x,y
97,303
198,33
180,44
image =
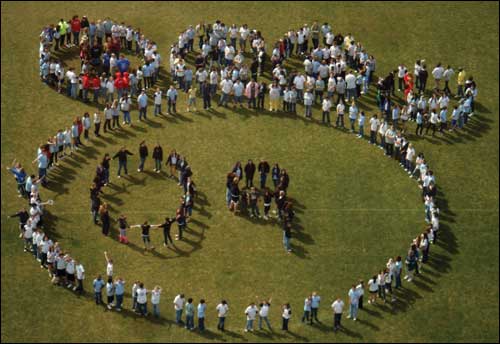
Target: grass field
x,y
355,208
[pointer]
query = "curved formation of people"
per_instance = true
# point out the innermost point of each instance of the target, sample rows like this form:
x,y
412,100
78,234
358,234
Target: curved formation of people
x,y
319,62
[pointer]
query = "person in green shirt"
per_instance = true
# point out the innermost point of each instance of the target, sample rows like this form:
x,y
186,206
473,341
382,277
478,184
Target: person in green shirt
x,y
63,28
190,314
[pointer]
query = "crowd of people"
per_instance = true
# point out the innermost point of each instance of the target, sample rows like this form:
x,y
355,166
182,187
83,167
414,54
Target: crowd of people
x,y
327,62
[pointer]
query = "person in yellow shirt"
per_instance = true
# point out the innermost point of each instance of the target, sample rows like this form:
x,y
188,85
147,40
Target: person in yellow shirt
x,y
191,99
461,83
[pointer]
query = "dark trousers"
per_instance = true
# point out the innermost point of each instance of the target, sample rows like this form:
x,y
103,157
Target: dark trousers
x,y
314,314
166,235
336,321
107,124
373,137
249,181
171,106
285,324
260,102
420,129
206,102
433,126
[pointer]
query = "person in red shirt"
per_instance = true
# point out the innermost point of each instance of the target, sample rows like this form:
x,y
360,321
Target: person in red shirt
x,y
96,86
86,86
408,80
119,84
75,29
79,123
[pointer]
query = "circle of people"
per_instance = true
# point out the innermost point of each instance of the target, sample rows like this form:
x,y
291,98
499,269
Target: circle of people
x,y
63,268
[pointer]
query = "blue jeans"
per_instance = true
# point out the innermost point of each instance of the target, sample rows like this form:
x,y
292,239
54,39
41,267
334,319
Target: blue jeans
x,y
286,241
228,196
74,90
119,301
98,298
142,112
157,109
178,316
126,117
351,93
141,165
361,131
266,320
249,325
220,325
224,99
42,172
106,175
201,324
156,310
143,308
190,322
263,177
122,164
353,310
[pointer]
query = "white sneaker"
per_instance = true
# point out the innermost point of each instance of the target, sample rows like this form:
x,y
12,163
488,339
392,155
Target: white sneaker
x,y
354,319
119,176
158,171
138,170
348,317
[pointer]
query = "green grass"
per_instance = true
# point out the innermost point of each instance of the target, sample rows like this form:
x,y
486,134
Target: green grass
x,y
354,207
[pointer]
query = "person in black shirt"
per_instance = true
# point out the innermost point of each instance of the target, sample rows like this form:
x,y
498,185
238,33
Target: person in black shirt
x,y
280,202
205,92
145,227
235,196
422,77
122,160
23,218
105,165
261,96
166,230
284,180
275,173
180,217
104,215
143,154
249,172
264,169
268,197
158,157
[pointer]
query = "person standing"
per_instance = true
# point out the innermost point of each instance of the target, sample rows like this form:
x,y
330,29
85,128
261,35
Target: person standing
x,y
286,315
353,303
249,173
398,269
202,306
145,227
157,98
142,103
172,99
178,306
97,123
143,154
338,307
264,313
373,289
315,301
222,309
326,106
105,219
98,285
123,225
110,292
166,230
142,299
263,169
80,276
287,235
360,288
190,315
307,310
251,313
155,300
122,160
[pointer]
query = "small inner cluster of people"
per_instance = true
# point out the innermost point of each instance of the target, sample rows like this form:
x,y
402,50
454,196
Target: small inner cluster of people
x,y
179,169
247,199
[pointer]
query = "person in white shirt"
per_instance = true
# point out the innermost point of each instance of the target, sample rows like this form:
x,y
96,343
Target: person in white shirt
x,y
179,306
308,100
264,312
155,300
447,75
109,265
326,106
381,131
299,82
350,80
438,73
226,86
433,121
70,271
410,154
251,313
338,308
286,315
340,114
142,299
80,276
222,309
374,123
244,33
157,100
353,115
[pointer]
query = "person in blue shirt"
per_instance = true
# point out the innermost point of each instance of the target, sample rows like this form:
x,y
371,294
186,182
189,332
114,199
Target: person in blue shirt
x,y
188,79
106,62
18,171
201,315
172,99
142,101
98,285
43,162
147,72
123,64
353,303
119,291
443,118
